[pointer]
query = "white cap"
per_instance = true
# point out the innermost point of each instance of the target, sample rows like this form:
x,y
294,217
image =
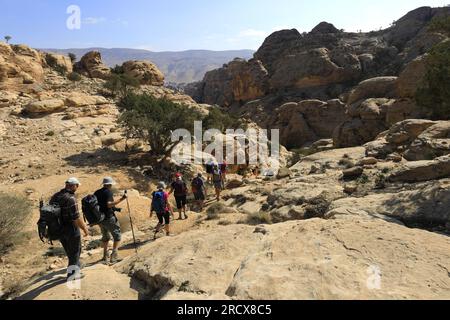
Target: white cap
x,y
161,185
108,181
73,182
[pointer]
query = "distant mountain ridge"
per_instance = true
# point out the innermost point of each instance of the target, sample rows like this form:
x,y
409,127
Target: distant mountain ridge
x,y
178,67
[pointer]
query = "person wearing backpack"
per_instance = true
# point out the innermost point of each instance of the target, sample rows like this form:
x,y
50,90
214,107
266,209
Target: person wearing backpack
x,y
162,207
218,182
71,223
110,225
179,190
199,190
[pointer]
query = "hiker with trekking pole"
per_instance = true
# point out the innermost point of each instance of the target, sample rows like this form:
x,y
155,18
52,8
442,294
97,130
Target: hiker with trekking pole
x,y
131,223
110,225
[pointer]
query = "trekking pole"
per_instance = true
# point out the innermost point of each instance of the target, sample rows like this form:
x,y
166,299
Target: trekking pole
x,y
131,223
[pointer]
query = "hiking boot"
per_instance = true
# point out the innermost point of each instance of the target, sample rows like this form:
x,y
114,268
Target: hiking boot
x,y
115,257
106,258
185,216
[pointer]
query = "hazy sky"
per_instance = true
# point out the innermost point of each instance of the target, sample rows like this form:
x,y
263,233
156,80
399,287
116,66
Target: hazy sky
x,y
187,24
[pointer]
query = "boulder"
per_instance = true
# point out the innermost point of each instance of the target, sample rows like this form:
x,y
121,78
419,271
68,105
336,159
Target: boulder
x,y
275,45
145,72
284,173
425,170
45,106
400,137
324,27
381,87
368,118
426,205
91,65
59,61
431,143
77,100
411,77
369,161
352,173
307,121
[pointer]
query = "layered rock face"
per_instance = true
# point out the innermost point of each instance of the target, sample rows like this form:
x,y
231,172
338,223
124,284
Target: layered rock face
x,y
374,74
237,81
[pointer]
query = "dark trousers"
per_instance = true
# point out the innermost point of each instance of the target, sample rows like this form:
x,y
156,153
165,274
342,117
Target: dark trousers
x,y
72,247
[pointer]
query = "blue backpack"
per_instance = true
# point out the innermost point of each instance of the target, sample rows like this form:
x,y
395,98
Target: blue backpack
x,y
159,203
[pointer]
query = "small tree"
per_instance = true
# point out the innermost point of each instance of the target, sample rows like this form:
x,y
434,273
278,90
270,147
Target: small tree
x,y
434,95
8,38
120,84
217,119
72,57
148,118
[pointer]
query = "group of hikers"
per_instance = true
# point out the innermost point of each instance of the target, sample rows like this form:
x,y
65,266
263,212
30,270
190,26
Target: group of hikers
x,y
71,221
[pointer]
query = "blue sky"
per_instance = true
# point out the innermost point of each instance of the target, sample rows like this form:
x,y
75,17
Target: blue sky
x,y
174,25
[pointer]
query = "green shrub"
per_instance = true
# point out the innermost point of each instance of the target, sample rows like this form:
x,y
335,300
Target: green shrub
x,y
218,119
120,84
363,179
14,215
434,94
74,76
317,207
441,25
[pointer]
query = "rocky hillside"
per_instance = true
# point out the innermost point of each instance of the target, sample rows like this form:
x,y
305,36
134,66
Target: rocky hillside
x,y
178,67
328,83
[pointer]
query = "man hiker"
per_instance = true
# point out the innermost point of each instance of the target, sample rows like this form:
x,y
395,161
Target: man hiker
x,y
179,190
218,182
110,225
162,207
71,223
199,190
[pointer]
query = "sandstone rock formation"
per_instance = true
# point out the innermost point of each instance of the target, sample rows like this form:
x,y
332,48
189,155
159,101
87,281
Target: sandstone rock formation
x,y
59,61
19,65
91,65
307,121
414,139
341,255
144,71
237,81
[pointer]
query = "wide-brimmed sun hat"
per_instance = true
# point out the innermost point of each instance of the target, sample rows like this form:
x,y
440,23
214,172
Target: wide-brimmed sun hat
x,y
73,182
108,181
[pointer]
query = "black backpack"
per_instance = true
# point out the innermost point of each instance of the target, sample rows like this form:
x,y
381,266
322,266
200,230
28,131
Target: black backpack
x,y
50,223
91,210
180,188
